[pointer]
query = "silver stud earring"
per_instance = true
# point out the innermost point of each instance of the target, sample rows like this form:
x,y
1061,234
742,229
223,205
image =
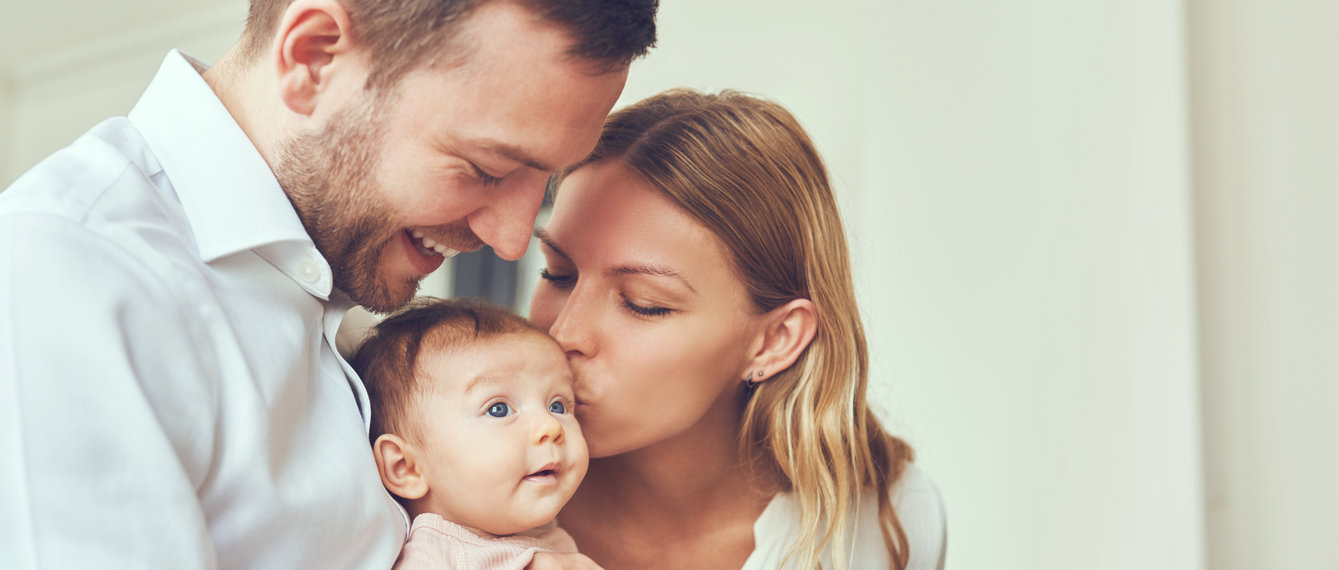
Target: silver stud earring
x,y
749,384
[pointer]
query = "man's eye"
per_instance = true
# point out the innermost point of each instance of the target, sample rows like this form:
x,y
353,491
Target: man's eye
x,y
485,178
558,407
499,410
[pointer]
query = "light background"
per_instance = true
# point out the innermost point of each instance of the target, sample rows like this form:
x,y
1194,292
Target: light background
x,y
1095,241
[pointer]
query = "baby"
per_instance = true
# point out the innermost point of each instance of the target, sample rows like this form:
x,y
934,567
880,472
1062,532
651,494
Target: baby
x,y
473,429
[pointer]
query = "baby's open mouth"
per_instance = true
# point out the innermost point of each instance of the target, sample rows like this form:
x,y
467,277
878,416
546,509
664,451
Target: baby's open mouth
x,y
547,473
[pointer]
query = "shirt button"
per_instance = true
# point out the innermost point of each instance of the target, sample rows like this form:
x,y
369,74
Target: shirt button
x,y
308,271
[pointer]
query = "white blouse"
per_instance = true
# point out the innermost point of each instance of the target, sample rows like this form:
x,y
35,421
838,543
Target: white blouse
x,y
919,508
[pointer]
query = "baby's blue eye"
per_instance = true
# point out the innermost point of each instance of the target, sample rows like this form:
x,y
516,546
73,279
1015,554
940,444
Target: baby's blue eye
x,y
499,410
558,408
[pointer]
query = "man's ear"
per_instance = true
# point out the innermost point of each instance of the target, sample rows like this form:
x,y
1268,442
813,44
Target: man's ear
x,y
311,35
787,331
398,465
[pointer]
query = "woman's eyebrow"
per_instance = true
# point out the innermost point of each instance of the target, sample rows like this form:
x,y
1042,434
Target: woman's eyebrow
x,y
544,238
653,270
634,269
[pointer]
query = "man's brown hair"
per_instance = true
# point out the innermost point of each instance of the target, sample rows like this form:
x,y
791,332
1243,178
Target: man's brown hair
x,y
401,34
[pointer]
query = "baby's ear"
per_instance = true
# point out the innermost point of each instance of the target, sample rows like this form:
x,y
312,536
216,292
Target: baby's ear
x,y
399,468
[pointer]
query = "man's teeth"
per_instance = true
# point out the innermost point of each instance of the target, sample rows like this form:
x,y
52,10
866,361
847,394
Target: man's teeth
x,y
432,244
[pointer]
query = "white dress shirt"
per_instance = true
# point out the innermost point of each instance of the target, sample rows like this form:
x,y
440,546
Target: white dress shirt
x,y
919,508
169,397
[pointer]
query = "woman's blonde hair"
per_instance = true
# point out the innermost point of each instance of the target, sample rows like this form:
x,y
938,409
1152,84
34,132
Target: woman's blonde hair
x,y
746,170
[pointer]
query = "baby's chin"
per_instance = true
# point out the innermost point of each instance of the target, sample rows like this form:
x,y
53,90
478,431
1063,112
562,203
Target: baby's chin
x,y
518,526
539,512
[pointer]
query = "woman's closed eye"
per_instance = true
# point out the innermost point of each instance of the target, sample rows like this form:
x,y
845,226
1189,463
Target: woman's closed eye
x,y
646,310
558,280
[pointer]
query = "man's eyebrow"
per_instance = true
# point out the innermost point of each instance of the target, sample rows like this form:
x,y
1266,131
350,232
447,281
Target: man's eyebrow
x,y
544,238
513,153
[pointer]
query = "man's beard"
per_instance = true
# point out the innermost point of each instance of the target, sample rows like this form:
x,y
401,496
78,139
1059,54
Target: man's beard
x,y
330,177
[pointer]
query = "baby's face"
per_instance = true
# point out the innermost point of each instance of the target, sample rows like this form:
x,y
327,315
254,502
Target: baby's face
x,y
502,452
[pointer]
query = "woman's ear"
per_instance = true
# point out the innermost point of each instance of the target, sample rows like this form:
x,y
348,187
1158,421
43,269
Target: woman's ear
x,y
312,34
398,465
788,331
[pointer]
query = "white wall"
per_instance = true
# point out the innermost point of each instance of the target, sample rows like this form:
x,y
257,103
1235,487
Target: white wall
x,y
1040,283
57,96
6,127
1266,86
1015,182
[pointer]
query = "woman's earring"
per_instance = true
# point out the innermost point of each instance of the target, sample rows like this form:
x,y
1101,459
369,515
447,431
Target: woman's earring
x,y
749,384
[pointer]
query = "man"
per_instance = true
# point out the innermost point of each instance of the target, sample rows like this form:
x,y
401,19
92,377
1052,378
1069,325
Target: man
x,y
173,281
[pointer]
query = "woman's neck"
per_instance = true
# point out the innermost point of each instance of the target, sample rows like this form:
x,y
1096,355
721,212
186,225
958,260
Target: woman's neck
x,y
676,475
687,501
694,476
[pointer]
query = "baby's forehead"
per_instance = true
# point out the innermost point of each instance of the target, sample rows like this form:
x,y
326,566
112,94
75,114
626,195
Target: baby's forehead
x,y
489,384
512,361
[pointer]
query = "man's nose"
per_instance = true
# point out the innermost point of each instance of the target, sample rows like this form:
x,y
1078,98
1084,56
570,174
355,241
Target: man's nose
x,y
508,221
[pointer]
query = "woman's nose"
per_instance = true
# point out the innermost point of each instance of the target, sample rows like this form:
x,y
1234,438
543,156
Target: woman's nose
x,y
571,327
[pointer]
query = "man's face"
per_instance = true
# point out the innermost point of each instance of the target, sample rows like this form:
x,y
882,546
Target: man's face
x,y
454,156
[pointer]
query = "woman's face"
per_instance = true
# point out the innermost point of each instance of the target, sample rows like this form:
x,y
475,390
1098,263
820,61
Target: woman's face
x,y
645,301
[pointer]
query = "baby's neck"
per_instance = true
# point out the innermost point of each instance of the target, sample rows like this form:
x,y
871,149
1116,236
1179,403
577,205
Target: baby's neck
x,y
477,531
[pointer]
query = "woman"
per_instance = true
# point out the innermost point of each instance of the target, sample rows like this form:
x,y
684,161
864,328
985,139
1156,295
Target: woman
x,y
697,277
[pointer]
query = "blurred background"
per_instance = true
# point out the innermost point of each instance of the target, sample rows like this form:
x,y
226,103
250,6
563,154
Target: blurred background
x,y
1096,241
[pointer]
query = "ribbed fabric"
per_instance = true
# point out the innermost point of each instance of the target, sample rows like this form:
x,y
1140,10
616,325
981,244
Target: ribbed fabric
x,y
436,543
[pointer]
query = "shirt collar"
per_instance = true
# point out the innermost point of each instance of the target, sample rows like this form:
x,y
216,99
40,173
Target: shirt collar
x,y
230,195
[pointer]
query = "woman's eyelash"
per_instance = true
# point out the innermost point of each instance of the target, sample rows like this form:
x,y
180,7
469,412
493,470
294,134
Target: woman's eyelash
x,y
646,311
560,281
567,281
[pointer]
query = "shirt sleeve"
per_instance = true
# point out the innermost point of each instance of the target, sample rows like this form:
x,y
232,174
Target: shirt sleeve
x,y
107,406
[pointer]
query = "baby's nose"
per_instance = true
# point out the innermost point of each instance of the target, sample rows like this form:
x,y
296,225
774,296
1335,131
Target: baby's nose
x,y
548,429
